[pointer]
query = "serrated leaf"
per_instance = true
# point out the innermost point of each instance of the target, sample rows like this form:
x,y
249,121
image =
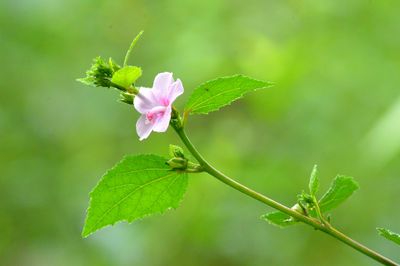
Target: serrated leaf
x,y
126,76
392,236
341,188
214,94
136,187
279,219
314,181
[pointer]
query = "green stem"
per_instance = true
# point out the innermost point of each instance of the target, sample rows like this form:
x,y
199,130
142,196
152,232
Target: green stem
x,y
276,205
319,213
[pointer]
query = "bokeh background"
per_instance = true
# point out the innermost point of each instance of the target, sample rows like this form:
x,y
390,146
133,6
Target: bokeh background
x,y
336,103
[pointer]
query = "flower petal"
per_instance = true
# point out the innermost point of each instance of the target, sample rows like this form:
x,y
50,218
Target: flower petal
x,y
143,127
161,84
145,100
175,90
161,125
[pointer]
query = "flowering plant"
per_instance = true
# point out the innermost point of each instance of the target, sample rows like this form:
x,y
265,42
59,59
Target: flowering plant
x,y
141,185
155,104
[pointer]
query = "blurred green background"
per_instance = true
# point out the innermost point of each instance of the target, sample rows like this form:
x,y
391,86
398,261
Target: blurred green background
x,y
336,103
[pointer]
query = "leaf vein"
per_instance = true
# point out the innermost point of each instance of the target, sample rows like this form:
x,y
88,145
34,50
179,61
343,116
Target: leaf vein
x,y
127,196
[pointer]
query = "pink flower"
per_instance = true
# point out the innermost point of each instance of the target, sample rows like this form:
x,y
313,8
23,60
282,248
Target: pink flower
x,y
155,104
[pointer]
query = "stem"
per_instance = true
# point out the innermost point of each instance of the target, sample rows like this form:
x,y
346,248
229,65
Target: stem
x,y
276,205
319,213
118,87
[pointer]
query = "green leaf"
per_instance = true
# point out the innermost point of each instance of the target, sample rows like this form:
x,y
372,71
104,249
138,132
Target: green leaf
x,y
314,181
392,236
134,188
341,188
278,218
214,94
126,76
128,53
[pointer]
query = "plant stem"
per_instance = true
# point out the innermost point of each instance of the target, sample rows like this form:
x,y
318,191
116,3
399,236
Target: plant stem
x,y
319,213
327,228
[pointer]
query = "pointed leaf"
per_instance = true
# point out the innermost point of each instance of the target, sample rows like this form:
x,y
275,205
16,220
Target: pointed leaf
x,y
126,76
136,187
279,219
214,94
392,236
128,53
341,188
314,181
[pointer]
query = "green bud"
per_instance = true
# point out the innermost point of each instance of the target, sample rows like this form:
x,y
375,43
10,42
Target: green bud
x,y
298,208
114,66
126,98
100,73
176,151
178,163
306,198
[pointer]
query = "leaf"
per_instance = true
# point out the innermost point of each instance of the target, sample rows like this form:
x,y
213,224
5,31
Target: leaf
x,y
278,218
126,76
392,236
128,53
314,181
214,94
341,188
134,188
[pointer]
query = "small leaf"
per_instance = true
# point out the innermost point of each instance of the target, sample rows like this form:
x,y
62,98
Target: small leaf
x,y
279,219
341,188
128,53
314,181
126,76
392,236
214,94
136,187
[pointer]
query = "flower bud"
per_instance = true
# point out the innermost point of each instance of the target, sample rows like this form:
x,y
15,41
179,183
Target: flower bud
x,y
126,98
298,209
178,163
176,151
100,73
305,198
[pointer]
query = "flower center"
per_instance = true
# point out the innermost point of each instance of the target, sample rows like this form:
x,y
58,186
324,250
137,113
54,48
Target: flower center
x,y
165,101
154,114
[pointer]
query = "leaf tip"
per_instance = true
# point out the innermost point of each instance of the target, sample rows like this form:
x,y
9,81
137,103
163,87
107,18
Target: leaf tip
x,y
85,232
314,181
389,235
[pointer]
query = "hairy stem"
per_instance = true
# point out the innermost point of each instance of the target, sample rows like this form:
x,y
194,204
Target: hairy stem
x,y
318,225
